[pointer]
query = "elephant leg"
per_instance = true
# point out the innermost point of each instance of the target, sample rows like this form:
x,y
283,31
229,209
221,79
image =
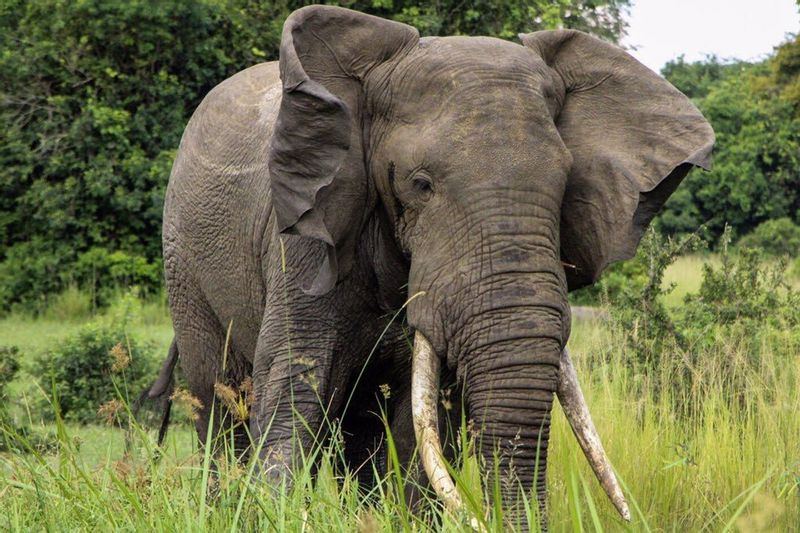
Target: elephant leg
x,y
291,374
364,442
200,339
201,362
375,390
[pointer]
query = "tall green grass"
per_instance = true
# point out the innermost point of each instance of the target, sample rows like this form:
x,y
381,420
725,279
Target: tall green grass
x,y
697,459
723,464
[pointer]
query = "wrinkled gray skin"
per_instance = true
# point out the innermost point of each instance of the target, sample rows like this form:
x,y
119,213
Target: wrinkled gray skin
x,y
486,177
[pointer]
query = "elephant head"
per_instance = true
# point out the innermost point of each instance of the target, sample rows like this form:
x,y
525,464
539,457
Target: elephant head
x,y
508,175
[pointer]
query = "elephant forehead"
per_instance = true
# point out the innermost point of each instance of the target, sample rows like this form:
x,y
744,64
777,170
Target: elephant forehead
x,y
466,106
459,75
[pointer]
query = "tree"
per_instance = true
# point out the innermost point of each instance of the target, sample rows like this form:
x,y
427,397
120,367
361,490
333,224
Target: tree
x,y
755,112
94,96
504,19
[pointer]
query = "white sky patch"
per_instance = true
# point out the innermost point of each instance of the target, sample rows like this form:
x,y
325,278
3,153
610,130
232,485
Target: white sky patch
x,y
661,30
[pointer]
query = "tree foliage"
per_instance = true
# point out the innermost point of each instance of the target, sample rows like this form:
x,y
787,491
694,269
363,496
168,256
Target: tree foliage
x,y
603,18
755,112
95,95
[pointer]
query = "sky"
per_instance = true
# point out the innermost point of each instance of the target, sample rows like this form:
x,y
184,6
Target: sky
x,y
661,30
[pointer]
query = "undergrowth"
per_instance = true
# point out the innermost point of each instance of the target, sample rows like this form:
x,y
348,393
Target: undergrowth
x,y
696,404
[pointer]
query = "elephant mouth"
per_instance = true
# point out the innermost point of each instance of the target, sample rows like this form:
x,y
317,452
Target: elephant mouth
x,y
424,397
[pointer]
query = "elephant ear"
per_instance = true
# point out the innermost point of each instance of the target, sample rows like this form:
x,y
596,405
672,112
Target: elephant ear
x,y
318,178
633,138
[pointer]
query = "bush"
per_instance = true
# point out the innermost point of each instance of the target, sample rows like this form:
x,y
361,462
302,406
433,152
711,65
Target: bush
x,y
638,308
91,367
9,366
745,290
743,307
776,237
104,273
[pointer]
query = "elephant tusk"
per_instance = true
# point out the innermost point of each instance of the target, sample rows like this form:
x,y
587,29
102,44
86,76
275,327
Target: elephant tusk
x,y
424,396
571,398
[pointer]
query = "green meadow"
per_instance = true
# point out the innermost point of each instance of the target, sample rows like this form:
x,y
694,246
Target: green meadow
x,y
703,458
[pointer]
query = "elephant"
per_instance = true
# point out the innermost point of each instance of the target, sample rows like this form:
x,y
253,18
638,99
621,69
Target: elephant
x,y
467,183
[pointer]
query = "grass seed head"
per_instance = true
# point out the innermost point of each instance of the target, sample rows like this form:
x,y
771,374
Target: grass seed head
x,y
110,411
226,394
188,402
119,357
386,391
237,401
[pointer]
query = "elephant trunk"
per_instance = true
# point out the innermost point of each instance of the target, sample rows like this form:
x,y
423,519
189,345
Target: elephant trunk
x,y
510,377
512,362
506,344
512,409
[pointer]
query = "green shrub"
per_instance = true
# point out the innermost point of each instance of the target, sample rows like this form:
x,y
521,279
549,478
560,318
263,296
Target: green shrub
x,y
719,333
776,237
104,273
9,366
745,290
638,307
88,369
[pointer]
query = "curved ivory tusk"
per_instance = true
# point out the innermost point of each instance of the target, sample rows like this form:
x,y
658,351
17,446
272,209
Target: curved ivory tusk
x,y
571,398
424,397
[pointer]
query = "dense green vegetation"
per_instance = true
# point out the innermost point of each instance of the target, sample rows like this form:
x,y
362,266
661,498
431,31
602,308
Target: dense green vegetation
x,y
755,111
703,435
95,96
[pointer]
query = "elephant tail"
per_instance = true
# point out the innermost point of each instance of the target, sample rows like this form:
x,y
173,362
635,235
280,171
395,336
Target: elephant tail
x,y
161,391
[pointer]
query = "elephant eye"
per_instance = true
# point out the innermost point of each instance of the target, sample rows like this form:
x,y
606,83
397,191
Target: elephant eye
x,y
422,184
